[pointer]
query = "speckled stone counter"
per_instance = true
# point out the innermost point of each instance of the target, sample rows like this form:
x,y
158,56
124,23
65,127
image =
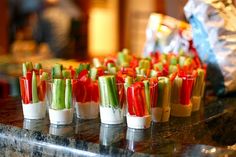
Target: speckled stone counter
x,y
206,133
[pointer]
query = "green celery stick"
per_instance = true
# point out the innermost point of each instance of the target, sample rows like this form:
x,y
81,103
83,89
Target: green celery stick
x,y
138,70
153,73
143,71
58,99
199,82
188,61
173,68
108,91
66,73
96,62
68,94
57,71
181,61
164,91
35,98
128,82
82,66
37,66
93,73
102,92
158,66
161,84
110,65
24,69
176,90
112,70
29,66
147,95
167,92
44,76
173,60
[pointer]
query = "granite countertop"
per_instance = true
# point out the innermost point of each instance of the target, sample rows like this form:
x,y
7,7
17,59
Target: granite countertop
x,y
206,133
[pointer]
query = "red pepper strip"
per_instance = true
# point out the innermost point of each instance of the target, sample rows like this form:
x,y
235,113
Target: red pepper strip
x,y
73,73
29,83
24,90
172,76
120,78
140,101
41,88
109,61
186,90
130,94
153,92
155,57
165,70
121,95
134,62
138,98
129,71
100,71
148,72
83,75
95,93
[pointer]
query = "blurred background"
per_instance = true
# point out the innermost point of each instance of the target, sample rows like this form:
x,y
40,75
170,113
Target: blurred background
x,y
78,29
68,31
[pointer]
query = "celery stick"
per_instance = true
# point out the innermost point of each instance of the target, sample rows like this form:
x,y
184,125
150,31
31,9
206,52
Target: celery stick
x,y
102,92
66,73
82,66
181,61
57,71
176,90
68,94
138,70
112,70
172,69
96,62
93,73
198,85
24,69
44,76
147,95
188,61
153,73
167,92
38,66
114,90
108,90
58,100
158,66
35,98
161,93
164,91
29,66
173,60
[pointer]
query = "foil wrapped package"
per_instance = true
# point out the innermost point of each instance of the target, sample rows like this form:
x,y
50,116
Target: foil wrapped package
x,y
166,34
214,34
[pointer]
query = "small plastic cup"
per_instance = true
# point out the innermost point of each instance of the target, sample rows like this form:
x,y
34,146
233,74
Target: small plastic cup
x,y
112,98
61,100
181,105
33,103
160,100
87,100
138,97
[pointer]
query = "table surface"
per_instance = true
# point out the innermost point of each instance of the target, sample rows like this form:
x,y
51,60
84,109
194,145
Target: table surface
x,y
206,133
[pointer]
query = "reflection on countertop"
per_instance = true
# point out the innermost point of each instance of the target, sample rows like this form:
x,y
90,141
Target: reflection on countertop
x,y
205,133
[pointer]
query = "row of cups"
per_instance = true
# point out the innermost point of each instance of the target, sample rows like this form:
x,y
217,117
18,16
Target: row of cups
x,y
63,98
